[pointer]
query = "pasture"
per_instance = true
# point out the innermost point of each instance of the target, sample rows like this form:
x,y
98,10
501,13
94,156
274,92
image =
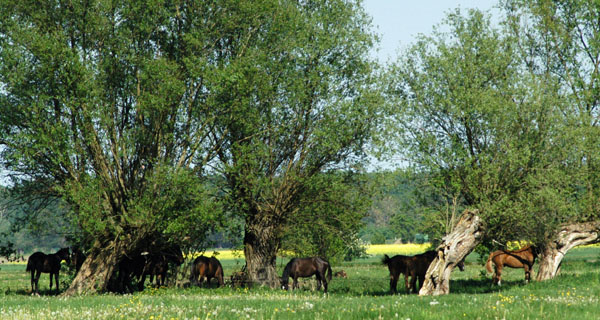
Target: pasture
x,y
363,295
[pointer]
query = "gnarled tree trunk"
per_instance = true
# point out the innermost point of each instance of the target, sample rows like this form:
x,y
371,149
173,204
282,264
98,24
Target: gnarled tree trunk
x,y
454,248
568,236
260,250
97,270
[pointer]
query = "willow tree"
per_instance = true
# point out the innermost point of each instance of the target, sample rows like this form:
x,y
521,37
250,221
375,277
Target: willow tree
x,y
561,40
486,131
301,100
102,104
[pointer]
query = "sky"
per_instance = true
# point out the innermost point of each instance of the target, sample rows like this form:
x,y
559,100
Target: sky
x,y
398,22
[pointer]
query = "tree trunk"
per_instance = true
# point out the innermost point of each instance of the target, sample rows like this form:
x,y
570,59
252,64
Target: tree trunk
x,y
96,271
260,250
454,248
568,236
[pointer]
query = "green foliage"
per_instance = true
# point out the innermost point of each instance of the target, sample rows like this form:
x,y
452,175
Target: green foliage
x,y
483,131
329,217
101,106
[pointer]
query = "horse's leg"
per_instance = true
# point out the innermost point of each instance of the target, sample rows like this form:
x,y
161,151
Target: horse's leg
x,y
393,282
50,280
32,281
413,282
324,282
421,281
319,276
37,280
527,274
498,275
295,283
56,278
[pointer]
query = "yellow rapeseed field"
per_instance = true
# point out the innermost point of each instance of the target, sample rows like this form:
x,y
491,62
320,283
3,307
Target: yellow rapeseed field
x,y
375,249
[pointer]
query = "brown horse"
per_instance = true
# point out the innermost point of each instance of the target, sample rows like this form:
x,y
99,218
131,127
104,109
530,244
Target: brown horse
x,y
411,266
306,267
47,263
522,258
144,264
204,267
157,264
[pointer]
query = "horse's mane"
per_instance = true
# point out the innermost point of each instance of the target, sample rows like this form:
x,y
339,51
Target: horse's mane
x,y
287,270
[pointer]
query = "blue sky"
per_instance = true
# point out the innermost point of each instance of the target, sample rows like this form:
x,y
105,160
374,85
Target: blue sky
x,y
399,21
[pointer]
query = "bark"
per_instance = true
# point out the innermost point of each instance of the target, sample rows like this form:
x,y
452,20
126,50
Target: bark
x,y
568,236
260,251
467,234
96,271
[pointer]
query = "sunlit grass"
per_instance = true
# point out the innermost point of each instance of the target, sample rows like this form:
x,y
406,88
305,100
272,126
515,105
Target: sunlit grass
x,y
363,295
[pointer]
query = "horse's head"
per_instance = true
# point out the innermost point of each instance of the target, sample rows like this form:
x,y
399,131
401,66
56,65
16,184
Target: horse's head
x,y
64,254
284,283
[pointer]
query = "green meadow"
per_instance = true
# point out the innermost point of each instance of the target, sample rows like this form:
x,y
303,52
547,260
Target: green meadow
x,y
363,295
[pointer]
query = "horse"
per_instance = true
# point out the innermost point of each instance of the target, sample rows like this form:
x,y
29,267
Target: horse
x,y
396,265
306,267
204,267
150,264
77,258
522,258
158,264
40,262
411,266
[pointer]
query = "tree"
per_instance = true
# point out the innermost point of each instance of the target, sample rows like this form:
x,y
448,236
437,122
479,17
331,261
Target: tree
x,y
329,218
559,39
487,132
301,97
103,105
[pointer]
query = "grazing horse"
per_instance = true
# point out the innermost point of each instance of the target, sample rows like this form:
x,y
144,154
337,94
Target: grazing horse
x,y
306,267
204,267
158,265
411,266
522,258
148,264
47,263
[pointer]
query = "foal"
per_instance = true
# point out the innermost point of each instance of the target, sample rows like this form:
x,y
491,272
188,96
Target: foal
x,y
47,263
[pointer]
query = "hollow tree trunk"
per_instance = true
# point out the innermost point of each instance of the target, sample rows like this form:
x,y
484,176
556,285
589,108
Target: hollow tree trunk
x,y
568,236
96,271
467,234
260,250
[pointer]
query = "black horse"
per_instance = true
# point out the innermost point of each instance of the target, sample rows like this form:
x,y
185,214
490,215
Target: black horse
x,y
411,266
204,267
306,267
47,263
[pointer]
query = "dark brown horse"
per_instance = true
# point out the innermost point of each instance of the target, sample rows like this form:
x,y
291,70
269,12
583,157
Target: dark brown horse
x,y
306,267
151,264
411,266
157,264
47,263
522,258
204,267
77,258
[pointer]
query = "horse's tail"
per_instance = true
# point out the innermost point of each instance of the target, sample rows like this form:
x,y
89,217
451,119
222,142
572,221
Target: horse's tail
x,y
29,265
488,264
328,272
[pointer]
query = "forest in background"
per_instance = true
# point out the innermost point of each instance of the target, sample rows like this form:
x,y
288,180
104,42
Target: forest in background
x,y
398,213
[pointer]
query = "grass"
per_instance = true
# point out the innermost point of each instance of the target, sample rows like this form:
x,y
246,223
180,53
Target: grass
x,y
363,295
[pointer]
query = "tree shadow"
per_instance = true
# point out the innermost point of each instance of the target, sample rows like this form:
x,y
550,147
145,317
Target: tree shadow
x,y
482,286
